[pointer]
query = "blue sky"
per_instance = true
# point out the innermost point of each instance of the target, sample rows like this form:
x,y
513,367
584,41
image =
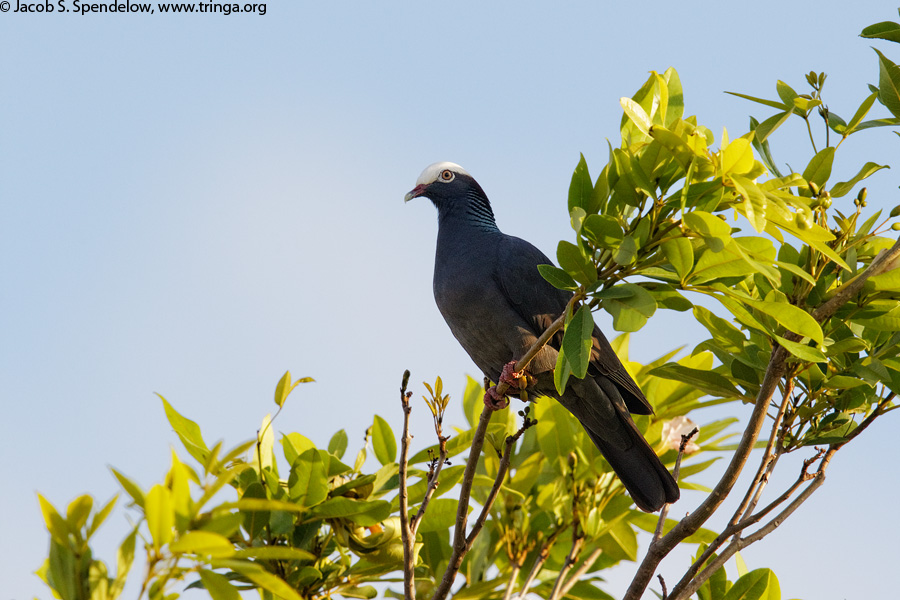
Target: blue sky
x,y
192,204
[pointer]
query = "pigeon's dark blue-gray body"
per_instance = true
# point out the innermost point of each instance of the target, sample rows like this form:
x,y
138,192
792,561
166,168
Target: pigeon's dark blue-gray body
x,y
487,287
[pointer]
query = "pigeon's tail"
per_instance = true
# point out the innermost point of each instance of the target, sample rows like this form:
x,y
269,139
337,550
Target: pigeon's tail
x,y
644,476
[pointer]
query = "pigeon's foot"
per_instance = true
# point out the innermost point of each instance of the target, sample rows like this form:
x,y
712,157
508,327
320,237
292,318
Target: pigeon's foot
x,y
518,381
510,377
493,400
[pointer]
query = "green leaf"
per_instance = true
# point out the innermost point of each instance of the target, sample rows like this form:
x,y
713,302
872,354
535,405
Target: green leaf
x,y
581,189
557,430
557,277
338,443
714,231
860,114
160,514
101,515
637,115
308,483
361,512
886,30
56,525
626,253
275,553
759,584
765,129
802,351
789,316
283,388
888,84
629,304
602,231
769,103
203,543
819,168
218,586
709,381
577,341
78,511
188,432
573,261
265,580
383,441
561,371
841,188
124,560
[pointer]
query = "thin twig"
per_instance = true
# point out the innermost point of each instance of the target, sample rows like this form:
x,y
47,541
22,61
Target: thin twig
x,y
571,558
580,571
662,582
433,480
665,509
539,561
511,582
767,463
408,537
462,512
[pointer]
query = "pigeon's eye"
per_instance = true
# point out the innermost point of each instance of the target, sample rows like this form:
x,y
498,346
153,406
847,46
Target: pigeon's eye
x,y
447,175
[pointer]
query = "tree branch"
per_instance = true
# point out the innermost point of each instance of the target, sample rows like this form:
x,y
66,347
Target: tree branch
x,y
408,536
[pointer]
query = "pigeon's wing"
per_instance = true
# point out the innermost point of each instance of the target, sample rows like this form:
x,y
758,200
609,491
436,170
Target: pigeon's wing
x,y
539,304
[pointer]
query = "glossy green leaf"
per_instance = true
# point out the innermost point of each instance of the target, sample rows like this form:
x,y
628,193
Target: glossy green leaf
x,y
160,515
556,430
383,441
188,432
361,512
265,580
218,586
557,277
78,511
561,371
819,168
581,188
790,317
860,114
885,30
124,560
338,443
802,351
629,304
888,84
709,381
308,482
842,188
714,231
626,253
56,525
759,584
764,102
204,543
602,231
765,129
102,514
637,114
577,341
575,264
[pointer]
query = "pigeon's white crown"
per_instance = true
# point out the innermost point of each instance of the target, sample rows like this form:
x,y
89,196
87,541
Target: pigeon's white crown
x,y
432,172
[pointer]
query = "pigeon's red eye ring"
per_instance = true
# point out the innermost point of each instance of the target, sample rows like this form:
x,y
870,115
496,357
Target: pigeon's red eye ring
x,y
447,175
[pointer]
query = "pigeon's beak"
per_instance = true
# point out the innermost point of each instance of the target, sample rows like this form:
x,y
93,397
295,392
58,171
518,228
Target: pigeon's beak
x,y
415,192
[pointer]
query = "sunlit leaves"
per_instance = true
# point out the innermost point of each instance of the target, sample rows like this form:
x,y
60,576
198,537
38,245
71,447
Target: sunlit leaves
x,y
383,441
577,341
888,84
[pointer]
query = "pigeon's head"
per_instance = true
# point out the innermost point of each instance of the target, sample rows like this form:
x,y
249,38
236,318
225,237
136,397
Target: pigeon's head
x,y
453,192
441,181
